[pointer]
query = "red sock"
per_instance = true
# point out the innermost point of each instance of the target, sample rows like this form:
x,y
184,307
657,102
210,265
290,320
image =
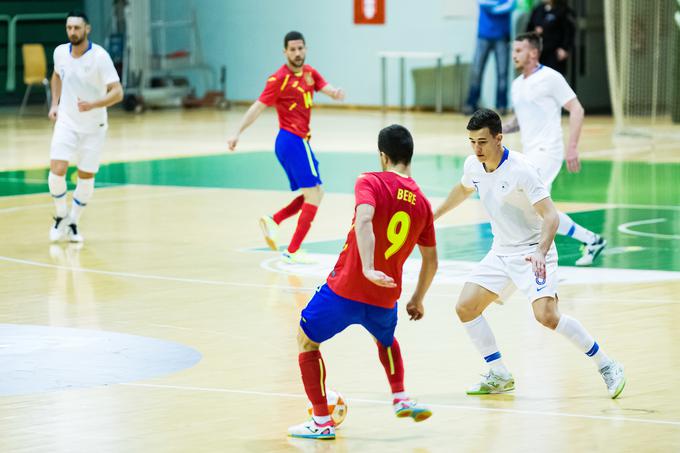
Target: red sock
x,y
290,210
303,226
314,378
394,368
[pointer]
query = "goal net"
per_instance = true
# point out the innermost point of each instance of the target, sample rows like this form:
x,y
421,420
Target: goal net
x,y
643,66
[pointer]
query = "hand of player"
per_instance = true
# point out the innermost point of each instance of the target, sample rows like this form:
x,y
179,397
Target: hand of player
x,y
232,143
339,94
84,106
415,309
53,113
573,163
379,278
537,260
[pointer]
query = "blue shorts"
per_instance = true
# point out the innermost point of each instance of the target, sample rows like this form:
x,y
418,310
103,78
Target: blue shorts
x,y
328,314
297,159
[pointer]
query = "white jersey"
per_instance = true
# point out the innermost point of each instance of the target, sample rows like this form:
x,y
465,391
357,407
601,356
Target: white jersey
x,y
83,78
508,195
538,101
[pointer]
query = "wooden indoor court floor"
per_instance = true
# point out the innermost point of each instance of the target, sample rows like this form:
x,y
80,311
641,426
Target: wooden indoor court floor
x,y
173,329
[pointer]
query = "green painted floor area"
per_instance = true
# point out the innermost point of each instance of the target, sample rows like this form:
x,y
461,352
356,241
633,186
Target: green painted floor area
x,y
653,246
599,181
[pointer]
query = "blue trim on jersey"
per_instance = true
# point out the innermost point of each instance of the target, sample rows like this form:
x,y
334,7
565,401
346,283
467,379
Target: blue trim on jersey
x,y
570,233
506,153
70,47
328,314
593,350
298,160
495,356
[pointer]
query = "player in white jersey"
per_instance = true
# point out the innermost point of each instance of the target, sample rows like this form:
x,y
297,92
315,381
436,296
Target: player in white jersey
x,y
538,96
523,222
84,83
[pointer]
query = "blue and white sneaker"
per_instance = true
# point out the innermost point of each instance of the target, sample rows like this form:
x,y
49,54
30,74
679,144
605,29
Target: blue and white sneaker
x,y
311,430
591,251
408,408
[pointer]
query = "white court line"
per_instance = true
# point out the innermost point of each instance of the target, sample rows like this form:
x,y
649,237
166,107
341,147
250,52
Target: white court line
x,y
104,201
309,289
442,406
625,228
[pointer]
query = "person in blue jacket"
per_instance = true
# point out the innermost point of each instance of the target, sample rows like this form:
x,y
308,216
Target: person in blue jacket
x,y
493,33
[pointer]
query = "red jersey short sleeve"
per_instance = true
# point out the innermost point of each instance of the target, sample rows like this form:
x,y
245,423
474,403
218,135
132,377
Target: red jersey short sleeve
x,y
364,190
402,218
271,90
319,81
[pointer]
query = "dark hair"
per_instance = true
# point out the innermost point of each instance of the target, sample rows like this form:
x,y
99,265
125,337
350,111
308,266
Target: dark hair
x,y
292,36
485,118
533,38
396,142
77,13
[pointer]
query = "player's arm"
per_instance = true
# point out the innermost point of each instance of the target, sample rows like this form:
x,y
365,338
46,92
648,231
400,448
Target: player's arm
x,y
249,118
363,229
510,126
428,269
546,209
55,85
576,114
337,94
457,195
114,94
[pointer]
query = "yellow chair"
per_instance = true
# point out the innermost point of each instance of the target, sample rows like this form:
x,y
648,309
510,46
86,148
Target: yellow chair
x,y
35,71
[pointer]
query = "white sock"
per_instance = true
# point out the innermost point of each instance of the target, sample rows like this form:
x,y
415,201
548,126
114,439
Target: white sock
x,y
58,189
577,334
399,396
321,419
482,337
81,196
568,227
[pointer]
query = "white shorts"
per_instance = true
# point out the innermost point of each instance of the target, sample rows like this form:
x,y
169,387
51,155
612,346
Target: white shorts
x,y
548,164
77,147
496,273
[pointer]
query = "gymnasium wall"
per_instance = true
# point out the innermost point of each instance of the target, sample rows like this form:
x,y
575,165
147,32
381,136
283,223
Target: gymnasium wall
x,y
247,37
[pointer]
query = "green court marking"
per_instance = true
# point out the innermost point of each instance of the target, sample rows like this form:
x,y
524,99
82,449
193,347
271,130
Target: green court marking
x,y
660,251
598,182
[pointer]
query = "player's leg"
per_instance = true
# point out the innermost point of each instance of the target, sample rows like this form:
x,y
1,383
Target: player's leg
x,y
482,287
325,315
308,178
549,165
91,147
381,323
547,313
543,295
62,150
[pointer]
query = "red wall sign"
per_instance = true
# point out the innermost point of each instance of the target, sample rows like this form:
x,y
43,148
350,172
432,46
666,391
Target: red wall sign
x,y
369,12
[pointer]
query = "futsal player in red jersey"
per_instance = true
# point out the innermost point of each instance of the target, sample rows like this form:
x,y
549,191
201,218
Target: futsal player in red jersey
x,y
391,216
291,89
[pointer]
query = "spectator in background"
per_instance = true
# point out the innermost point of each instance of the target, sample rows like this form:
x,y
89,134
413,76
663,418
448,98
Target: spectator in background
x,y
554,21
493,33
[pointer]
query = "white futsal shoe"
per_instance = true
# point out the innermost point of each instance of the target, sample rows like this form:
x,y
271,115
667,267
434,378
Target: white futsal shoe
x,y
270,230
73,235
311,430
591,251
613,376
58,230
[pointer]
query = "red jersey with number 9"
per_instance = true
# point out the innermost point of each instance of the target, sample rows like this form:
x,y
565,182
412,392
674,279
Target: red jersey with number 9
x,y
403,218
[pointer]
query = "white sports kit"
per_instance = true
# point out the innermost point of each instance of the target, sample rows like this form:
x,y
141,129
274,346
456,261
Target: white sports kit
x,y
508,195
79,136
538,101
